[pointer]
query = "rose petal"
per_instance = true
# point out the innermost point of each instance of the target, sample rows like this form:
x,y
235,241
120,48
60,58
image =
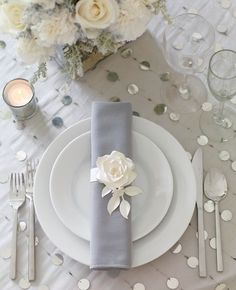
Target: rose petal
x,y
132,190
113,203
124,208
105,191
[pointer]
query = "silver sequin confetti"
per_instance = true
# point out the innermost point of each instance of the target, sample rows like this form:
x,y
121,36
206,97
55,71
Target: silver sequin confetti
x,y
160,109
209,206
196,36
132,89
174,116
144,65
126,52
57,122
213,243
192,262
233,165
202,140
36,241
172,283
24,283
5,252
177,249
205,235
112,76
193,10
115,99
226,215
21,155
221,286
222,28
43,287
66,100
138,286
224,155
225,4
84,284
165,77
206,107
22,226
4,177
57,259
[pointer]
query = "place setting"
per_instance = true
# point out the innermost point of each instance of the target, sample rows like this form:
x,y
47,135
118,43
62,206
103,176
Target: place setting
x,y
128,182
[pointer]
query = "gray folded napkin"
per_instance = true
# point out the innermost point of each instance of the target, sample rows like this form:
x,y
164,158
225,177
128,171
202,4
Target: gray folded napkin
x,y
110,245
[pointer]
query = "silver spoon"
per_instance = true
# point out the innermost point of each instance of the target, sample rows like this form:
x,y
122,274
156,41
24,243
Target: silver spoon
x,y
215,187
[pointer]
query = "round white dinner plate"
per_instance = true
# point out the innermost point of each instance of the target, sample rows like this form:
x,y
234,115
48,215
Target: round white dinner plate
x,y
153,245
70,188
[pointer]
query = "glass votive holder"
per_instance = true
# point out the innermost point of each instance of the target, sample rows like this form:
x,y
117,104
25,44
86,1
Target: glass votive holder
x,y
19,95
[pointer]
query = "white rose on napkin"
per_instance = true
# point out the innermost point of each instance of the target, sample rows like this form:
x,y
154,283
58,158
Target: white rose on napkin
x,y
95,15
117,172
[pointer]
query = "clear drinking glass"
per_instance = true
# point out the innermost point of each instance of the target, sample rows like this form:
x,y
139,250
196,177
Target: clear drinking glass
x,y
220,123
187,44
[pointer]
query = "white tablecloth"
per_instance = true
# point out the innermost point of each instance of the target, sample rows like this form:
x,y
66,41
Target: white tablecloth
x,y
39,132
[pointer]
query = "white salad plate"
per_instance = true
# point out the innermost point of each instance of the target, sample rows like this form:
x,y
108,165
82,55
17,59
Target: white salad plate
x,y
70,186
158,241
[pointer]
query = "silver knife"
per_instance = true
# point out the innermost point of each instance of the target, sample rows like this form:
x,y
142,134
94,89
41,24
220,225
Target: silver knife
x,y
197,163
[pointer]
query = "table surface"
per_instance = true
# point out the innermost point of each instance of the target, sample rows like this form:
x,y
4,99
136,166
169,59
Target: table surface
x,y
40,131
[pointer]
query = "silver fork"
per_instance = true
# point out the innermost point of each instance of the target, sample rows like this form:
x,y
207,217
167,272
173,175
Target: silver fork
x,y
16,200
30,172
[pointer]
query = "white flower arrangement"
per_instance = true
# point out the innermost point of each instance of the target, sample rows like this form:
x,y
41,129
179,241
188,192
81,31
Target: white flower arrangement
x,y
79,26
116,172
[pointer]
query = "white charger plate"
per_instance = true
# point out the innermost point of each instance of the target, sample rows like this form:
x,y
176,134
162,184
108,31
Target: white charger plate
x,y
150,247
70,188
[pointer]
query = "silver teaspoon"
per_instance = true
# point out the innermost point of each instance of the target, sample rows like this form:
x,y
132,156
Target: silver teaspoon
x,y
215,188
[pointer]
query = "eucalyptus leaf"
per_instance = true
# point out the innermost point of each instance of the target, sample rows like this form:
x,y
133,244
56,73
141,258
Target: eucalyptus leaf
x,y
124,208
113,203
105,191
132,190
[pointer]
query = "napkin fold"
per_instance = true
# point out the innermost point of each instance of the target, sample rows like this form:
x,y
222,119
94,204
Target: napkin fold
x,y
111,129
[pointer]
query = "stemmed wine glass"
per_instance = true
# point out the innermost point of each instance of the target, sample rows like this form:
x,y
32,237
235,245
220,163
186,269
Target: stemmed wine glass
x,y
187,45
220,124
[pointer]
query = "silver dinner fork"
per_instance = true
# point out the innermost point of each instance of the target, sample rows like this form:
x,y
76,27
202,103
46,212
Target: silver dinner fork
x,y
30,172
16,200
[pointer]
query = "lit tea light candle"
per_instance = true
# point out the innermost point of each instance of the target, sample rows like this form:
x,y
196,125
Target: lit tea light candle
x,y
19,96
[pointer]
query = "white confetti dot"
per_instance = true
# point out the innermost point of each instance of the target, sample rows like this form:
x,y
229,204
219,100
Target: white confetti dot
x,y
177,249
193,10
36,241
202,140
178,45
224,155
24,283
172,283
174,116
4,177
133,89
57,259
209,206
233,165
189,155
21,155
222,28
22,226
226,215
138,286
213,243
192,262
196,36
5,252
206,107
84,284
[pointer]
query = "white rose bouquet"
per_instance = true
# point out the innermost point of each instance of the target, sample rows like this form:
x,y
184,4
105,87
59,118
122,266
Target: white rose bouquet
x,y
79,27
